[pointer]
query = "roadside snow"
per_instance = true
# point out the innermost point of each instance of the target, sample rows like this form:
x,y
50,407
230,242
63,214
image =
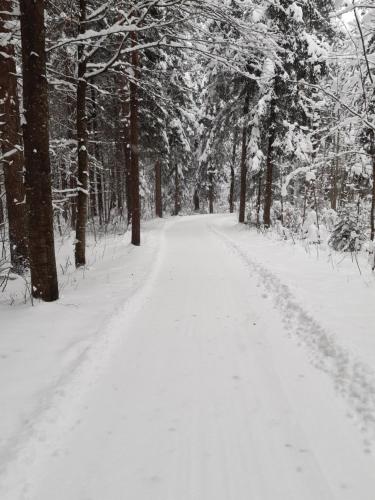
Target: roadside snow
x,y
326,302
42,347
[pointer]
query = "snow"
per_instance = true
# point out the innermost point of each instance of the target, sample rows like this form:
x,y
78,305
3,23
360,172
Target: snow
x,y
296,12
41,346
214,363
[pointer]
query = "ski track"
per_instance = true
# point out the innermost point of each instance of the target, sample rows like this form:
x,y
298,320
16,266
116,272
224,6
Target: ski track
x,y
194,391
354,380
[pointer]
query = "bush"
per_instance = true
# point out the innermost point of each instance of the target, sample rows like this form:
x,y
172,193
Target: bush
x,y
348,234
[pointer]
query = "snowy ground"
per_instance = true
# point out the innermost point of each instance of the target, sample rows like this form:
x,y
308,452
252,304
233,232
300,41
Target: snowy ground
x,y
212,363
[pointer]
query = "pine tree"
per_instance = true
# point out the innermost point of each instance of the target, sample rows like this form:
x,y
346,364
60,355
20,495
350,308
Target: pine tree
x,y
11,148
36,146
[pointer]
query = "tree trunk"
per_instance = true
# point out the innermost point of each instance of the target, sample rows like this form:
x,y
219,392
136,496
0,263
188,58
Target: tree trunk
x,y
73,200
372,222
196,200
335,174
2,215
134,146
211,192
243,166
127,155
98,173
158,194
269,168
82,136
10,138
259,198
36,146
177,206
232,178
119,163
93,203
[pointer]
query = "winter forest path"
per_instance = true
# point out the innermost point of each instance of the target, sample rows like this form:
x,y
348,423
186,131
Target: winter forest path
x,y
205,397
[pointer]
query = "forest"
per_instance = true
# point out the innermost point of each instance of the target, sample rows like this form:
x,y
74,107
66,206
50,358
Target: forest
x,y
116,111
187,249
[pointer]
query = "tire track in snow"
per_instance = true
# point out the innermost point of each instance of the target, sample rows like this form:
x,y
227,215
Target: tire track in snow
x,y
353,379
61,410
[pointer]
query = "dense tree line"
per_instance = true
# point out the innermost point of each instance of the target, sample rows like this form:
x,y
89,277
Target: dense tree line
x,y
113,111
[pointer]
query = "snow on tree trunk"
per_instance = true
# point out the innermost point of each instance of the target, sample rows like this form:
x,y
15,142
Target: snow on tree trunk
x,y
134,145
243,166
177,203
211,192
11,151
269,167
82,139
232,177
158,194
36,148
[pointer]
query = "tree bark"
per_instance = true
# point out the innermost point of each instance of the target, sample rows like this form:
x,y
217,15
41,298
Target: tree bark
x,y
259,198
196,200
127,154
177,205
82,140
73,200
93,202
10,138
134,146
335,174
243,166
36,147
269,168
99,174
119,171
158,194
211,192
372,219
232,178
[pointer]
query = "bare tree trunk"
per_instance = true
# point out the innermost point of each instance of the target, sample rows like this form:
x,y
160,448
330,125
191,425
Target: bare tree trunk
x,y
281,199
105,195
259,198
2,215
243,166
64,187
196,200
373,200
232,178
316,204
36,145
82,136
158,194
372,221
73,200
211,192
119,171
11,150
93,170
304,204
93,204
335,174
119,160
99,188
99,173
127,155
177,205
134,146
269,169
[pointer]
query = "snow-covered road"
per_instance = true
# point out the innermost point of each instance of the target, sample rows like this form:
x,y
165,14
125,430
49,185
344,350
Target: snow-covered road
x,y
198,393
